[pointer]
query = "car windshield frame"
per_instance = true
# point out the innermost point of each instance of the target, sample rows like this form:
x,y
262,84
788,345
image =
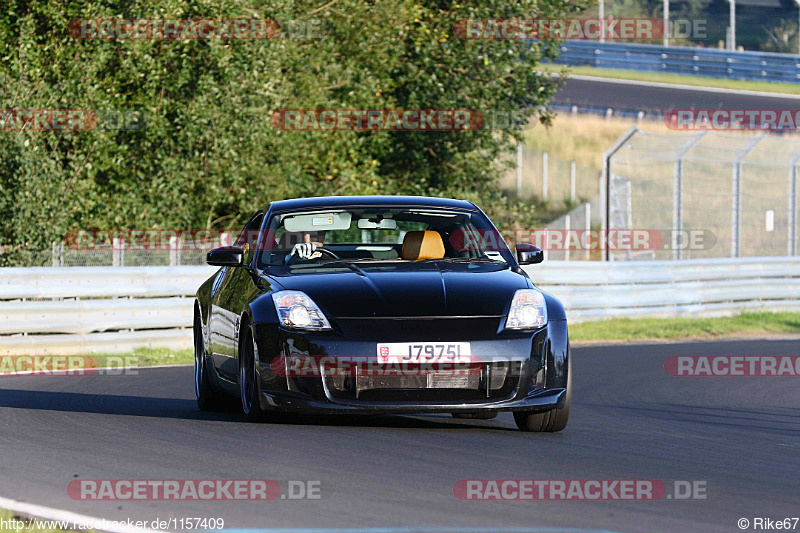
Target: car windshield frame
x,y
271,258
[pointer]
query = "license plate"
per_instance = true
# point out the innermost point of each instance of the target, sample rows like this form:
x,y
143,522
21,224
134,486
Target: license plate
x,y
423,352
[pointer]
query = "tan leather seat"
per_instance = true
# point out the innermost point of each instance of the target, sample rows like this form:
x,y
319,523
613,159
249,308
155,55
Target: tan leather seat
x,y
419,245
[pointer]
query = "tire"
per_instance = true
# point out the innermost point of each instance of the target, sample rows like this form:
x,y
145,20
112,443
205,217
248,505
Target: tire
x,y
486,415
549,421
208,398
249,388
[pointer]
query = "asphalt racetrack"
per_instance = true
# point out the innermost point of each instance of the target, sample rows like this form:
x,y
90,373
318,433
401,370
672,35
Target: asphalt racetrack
x,y
738,436
587,91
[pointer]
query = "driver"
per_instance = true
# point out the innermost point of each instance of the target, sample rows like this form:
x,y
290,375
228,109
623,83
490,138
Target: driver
x,y
308,248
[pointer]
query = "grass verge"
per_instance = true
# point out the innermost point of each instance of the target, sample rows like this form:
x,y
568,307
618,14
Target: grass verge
x,y
745,324
678,79
584,138
28,525
144,357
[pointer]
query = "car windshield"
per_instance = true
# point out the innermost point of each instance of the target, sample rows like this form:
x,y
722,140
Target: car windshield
x,y
376,233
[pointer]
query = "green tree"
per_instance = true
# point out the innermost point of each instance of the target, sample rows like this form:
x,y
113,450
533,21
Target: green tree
x,y
209,155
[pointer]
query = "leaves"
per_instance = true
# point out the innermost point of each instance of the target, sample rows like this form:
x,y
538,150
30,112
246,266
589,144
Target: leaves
x,y
208,153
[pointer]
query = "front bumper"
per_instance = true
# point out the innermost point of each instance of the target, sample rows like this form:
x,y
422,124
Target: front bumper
x,y
537,401
524,354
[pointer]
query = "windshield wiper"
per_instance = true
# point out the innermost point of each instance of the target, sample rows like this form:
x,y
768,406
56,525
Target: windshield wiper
x,y
340,262
468,260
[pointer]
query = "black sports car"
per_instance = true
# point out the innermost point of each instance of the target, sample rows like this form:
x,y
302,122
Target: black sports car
x,y
380,304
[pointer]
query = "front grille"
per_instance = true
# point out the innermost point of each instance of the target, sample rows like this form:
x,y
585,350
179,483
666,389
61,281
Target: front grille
x,y
486,381
431,380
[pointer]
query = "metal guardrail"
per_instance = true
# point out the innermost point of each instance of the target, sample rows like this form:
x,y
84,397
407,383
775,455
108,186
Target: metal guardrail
x,y
96,309
708,62
71,310
592,290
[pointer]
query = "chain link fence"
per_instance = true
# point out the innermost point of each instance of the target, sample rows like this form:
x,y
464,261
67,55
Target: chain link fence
x,y
122,254
711,194
544,177
579,221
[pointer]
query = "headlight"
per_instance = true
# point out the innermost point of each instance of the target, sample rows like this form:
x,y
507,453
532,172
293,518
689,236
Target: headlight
x,y
528,310
296,310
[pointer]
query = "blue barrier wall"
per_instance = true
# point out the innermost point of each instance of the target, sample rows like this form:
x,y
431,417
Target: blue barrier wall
x,y
707,62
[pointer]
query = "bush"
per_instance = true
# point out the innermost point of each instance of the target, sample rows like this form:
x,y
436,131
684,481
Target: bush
x,y
208,154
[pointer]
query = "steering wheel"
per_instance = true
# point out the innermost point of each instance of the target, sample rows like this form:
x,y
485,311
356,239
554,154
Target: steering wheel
x,y
320,249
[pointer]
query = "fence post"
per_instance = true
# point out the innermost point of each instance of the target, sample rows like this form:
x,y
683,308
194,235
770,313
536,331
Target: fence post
x,y
588,228
629,211
572,181
544,176
677,194
602,21
677,205
117,252
603,198
736,211
566,236
736,208
793,206
519,170
57,254
605,181
174,251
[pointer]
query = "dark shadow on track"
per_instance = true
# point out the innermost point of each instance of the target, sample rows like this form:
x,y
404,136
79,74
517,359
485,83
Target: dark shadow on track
x,y
184,409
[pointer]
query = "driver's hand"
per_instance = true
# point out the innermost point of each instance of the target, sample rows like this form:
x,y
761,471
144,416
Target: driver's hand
x,y
304,250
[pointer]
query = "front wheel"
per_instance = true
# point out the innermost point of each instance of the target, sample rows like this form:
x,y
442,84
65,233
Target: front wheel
x,y
549,421
249,389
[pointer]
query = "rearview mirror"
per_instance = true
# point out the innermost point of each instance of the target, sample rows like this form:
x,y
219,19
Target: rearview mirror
x,y
386,223
528,254
227,256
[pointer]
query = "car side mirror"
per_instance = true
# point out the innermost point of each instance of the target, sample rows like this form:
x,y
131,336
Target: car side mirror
x,y
528,254
227,256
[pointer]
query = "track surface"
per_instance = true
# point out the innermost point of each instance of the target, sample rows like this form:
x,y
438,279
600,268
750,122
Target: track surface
x,y
630,421
625,95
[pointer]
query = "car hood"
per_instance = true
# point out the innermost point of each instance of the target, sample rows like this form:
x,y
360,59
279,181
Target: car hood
x,y
406,289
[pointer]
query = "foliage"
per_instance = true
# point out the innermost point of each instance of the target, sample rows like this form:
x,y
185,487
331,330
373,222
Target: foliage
x,y
208,154
782,37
